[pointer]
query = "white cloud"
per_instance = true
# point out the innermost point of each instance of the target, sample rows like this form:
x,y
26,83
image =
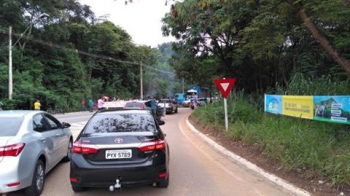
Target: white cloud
x,y
141,19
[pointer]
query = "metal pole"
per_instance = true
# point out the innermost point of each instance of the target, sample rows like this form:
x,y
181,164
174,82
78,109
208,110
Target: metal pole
x,y
183,87
141,82
10,62
226,117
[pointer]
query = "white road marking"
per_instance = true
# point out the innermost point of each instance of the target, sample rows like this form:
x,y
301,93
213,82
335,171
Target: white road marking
x,y
76,128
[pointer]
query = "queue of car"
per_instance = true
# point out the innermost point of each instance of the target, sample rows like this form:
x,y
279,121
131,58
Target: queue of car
x,y
117,147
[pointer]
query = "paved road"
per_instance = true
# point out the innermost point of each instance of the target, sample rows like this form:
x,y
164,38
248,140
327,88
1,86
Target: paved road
x,y
195,168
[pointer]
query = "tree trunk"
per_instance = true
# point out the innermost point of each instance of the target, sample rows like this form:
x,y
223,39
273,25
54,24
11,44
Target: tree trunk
x,y
344,63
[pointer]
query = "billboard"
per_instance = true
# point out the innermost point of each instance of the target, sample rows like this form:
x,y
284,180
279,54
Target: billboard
x,y
335,109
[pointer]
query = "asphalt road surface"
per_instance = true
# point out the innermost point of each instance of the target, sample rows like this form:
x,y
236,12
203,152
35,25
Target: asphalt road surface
x,y
195,168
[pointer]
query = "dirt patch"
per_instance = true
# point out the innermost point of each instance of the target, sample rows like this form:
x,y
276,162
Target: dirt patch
x,y
300,178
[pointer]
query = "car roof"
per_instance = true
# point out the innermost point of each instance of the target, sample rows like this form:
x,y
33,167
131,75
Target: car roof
x,y
18,113
123,111
139,101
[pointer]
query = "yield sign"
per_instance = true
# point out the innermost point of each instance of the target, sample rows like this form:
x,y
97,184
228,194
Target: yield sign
x,y
225,85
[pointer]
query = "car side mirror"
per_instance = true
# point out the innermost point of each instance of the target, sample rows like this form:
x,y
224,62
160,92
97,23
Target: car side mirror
x,y
161,122
65,125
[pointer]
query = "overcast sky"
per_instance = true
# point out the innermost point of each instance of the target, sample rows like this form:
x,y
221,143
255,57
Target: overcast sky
x,y
141,19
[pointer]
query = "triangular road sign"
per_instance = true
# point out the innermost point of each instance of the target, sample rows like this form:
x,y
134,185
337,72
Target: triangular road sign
x,y
225,85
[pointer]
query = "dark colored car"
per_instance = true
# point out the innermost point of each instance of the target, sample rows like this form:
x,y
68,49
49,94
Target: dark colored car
x,y
119,148
145,105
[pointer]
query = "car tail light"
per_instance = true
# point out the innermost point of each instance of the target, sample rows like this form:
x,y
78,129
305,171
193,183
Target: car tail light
x,y
84,148
142,106
11,150
74,179
14,184
162,174
152,145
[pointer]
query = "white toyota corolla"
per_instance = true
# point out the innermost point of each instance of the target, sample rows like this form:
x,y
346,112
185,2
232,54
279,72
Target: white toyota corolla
x,y
31,144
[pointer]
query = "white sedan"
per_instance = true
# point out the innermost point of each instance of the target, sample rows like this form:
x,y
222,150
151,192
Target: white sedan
x,y
186,103
31,144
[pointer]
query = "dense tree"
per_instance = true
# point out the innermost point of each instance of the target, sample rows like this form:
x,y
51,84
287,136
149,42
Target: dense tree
x,y
69,55
262,43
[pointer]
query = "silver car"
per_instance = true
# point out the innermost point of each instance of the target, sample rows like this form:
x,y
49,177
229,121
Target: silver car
x,y
31,144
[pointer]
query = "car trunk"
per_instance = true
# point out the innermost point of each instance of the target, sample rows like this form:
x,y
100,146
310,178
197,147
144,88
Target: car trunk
x,y
119,148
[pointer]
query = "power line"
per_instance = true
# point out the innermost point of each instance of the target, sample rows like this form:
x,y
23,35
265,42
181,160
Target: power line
x,y
86,53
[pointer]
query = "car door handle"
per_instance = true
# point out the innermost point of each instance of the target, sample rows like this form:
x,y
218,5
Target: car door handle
x,y
42,139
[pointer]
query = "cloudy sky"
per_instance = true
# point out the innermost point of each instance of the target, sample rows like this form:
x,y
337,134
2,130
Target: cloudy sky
x,y
141,19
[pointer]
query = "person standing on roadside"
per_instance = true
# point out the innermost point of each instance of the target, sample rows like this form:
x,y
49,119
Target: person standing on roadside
x,y
91,105
37,105
83,105
100,103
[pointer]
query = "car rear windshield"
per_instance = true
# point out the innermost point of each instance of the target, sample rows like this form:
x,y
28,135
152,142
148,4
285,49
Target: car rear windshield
x,y
9,126
111,123
134,104
165,101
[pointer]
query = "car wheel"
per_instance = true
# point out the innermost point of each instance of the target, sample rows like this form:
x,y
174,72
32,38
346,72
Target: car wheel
x,y
176,110
38,181
164,183
67,157
78,188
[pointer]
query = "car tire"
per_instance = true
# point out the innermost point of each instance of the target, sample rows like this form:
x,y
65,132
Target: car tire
x,y
76,188
164,183
67,157
176,110
38,181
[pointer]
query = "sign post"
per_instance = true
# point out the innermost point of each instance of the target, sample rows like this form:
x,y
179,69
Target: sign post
x,y
225,85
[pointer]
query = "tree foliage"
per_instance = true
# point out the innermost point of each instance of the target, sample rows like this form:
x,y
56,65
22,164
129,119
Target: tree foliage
x,y
62,53
262,43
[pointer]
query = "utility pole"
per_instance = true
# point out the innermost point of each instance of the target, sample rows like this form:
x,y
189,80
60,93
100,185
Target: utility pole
x,y
44,15
141,82
10,62
183,87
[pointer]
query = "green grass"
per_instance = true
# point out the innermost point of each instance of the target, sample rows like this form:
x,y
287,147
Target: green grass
x,y
321,148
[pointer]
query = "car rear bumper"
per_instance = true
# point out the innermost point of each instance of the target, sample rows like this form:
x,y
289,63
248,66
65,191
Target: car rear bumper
x,y
105,177
90,174
10,173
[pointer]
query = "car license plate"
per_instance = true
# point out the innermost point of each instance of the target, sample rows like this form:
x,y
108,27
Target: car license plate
x,y
118,154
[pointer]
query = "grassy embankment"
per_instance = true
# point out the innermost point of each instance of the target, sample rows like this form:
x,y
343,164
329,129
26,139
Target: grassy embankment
x,y
323,149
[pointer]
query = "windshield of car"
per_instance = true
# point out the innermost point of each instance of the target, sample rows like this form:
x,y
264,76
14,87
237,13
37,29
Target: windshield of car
x,y
107,123
9,126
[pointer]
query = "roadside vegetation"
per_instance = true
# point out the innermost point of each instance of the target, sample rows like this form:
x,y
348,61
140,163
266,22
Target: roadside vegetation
x,y
71,54
318,150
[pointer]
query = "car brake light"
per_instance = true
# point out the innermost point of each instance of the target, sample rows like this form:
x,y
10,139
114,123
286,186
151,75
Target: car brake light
x,y
11,150
84,148
152,145
142,107
14,184
162,174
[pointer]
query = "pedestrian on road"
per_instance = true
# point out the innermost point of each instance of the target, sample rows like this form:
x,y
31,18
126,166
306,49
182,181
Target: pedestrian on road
x,y
37,105
83,105
91,105
100,103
